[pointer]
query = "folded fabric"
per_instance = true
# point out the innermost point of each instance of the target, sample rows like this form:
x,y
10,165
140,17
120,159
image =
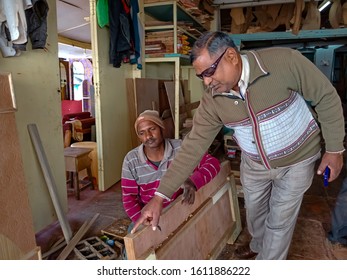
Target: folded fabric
x,y
77,133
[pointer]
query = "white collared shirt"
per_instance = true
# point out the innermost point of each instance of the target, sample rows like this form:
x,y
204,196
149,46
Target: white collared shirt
x,y
243,82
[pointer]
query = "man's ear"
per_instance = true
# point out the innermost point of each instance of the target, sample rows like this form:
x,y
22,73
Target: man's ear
x,y
232,56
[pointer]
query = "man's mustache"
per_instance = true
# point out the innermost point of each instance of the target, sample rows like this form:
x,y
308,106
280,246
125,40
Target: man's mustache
x,y
150,140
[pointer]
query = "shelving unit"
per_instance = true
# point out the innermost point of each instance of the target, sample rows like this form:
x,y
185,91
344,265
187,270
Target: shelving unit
x,y
169,14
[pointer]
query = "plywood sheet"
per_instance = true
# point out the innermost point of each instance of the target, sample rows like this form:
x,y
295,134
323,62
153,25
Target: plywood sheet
x,y
147,94
17,236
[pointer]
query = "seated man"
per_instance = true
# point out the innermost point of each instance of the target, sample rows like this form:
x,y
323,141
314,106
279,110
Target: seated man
x,y
144,166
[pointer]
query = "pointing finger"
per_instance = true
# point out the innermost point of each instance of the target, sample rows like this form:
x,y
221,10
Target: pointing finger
x,y
138,223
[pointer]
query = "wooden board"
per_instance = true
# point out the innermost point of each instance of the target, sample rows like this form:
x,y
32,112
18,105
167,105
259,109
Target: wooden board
x,y
147,94
130,86
170,91
117,229
198,231
17,234
7,99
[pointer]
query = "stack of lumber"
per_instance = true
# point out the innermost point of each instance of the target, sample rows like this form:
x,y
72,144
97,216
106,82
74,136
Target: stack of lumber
x,y
201,10
159,42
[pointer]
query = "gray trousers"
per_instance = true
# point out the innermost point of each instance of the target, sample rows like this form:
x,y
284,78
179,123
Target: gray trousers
x,y
272,200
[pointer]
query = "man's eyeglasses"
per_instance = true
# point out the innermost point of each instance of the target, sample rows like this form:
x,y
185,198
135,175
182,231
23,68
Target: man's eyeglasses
x,y
210,71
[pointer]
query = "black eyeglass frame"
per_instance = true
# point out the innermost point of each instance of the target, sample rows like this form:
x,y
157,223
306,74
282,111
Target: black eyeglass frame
x,y
212,69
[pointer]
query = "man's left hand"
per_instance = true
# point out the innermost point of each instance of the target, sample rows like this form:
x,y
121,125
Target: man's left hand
x,y
189,190
332,160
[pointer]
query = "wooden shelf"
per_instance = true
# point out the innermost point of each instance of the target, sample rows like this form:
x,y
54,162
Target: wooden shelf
x,y
168,16
310,36
164,11
168,57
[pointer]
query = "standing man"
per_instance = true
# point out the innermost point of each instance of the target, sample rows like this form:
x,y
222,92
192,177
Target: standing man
x,y
144,166
272,99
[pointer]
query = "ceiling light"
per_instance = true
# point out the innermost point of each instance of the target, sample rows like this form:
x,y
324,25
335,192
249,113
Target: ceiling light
x,y
324,5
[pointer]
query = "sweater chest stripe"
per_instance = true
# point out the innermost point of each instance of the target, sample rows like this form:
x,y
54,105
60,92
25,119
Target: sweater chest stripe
x,y
257,136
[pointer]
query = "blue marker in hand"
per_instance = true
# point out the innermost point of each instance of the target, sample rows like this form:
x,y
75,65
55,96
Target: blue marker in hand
x,y
326,176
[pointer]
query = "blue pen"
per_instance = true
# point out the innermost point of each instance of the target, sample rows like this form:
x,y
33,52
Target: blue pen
x,y
326,176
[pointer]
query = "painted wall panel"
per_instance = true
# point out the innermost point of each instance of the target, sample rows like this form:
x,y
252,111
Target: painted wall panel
x,y
35,75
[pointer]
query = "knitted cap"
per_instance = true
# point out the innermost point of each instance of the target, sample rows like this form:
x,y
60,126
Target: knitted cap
x,y
149,115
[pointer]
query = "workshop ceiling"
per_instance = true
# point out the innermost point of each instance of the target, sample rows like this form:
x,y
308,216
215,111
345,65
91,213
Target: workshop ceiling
x,y
73,23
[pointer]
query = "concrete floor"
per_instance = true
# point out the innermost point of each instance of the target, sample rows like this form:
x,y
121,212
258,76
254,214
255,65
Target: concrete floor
x,y
309,240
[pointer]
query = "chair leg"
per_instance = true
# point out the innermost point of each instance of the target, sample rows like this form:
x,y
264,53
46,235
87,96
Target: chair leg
x,y
71,178
90,176
77,186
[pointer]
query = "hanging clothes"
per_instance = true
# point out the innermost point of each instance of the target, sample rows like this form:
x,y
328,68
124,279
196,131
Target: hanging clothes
x,y
121,33
122,18
134,10
37,23
102,13
36,17
13,29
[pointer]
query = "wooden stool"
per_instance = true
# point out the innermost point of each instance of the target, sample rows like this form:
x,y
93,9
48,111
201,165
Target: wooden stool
x,y
77,159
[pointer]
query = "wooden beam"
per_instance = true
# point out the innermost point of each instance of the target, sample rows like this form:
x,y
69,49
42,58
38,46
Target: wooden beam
x,y
74,43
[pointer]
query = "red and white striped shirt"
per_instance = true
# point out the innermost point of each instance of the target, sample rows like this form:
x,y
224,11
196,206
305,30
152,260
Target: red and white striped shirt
x,y
141,178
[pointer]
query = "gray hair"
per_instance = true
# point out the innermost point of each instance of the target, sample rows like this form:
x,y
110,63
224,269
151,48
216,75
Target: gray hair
x,y
213,41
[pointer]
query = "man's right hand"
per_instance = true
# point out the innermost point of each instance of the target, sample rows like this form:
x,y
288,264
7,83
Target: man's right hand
x,y
150,214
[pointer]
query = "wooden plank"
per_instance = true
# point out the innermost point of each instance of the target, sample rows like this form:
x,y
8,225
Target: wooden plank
x,y
130,87
188,220
199,236
146,92
17,234
78,236
118,228
52,187
170,91
7,99
235,211
186,91
137,244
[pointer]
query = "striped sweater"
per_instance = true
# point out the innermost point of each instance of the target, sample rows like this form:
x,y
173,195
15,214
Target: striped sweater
x,y
140,178
273,125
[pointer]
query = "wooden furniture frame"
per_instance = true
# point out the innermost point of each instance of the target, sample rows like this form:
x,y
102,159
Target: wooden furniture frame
x,y
77,159
198,231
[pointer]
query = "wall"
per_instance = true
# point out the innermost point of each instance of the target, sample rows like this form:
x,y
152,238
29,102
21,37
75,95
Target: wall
x,y
35,75
111,108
